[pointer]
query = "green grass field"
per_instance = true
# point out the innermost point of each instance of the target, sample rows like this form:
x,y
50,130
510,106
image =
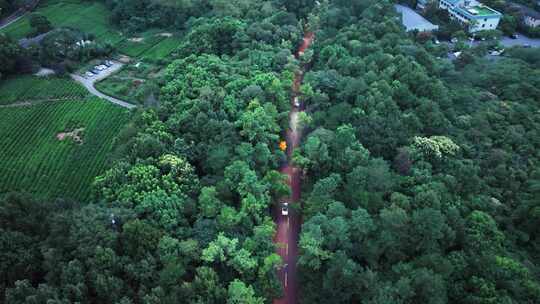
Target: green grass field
x,y
89,17
162,49
34,160
32,88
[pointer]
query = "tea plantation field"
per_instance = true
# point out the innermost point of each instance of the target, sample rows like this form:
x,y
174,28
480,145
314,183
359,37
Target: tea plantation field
x,y
40,155
26,88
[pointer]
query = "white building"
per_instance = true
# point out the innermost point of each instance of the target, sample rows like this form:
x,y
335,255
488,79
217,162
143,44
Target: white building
x,y
472,14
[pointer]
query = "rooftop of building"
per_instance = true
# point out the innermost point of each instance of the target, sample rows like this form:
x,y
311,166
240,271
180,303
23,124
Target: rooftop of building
x,y
478,11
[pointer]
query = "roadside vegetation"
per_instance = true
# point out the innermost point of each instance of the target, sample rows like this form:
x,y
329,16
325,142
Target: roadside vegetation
x,y
184,215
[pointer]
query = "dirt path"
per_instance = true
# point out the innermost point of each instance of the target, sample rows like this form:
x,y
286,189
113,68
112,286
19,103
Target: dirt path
x,y
288,227
89,82
34,102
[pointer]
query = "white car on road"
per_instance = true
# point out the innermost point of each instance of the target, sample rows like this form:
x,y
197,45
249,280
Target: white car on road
x,y
285,208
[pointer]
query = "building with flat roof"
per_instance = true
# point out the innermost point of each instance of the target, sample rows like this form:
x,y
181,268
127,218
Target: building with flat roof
x,y
470,13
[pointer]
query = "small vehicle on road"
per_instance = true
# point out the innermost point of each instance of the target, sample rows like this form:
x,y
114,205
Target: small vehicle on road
x,y
108,63
285,208
514,36
296,102
89,74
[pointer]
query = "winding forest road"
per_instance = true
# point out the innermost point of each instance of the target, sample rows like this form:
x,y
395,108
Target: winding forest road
x,y
288,227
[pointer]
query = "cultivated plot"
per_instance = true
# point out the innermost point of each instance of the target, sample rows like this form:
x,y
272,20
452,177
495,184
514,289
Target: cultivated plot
x,y
39,89
57,149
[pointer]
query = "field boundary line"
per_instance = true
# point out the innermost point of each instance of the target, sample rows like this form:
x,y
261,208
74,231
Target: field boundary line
x,y
40,101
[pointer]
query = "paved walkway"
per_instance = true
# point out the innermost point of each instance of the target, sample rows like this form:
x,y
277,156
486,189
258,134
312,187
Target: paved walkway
x,y
88,83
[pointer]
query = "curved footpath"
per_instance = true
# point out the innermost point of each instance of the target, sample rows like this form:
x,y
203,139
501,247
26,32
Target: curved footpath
x,y
88,83
288,227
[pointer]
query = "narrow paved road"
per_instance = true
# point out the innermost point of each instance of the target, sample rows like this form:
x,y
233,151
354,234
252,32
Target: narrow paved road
x,y
18,14
89,82
11,19
288,227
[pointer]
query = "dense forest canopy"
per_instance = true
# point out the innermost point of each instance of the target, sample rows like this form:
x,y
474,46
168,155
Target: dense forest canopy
x,y
421,176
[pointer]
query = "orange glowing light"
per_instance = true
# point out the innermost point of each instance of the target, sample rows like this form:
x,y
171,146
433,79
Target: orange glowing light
x,y
283,145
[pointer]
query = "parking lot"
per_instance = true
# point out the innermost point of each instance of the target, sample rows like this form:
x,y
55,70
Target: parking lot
x,y
104,68
521,40
89,79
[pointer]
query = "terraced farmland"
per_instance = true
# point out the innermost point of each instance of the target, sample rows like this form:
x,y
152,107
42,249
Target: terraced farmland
x,y
31,89
57,149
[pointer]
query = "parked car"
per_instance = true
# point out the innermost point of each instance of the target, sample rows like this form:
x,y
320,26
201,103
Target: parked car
x,y
94,71
285,208
108,63
514,36
527,46
89,74
454,40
